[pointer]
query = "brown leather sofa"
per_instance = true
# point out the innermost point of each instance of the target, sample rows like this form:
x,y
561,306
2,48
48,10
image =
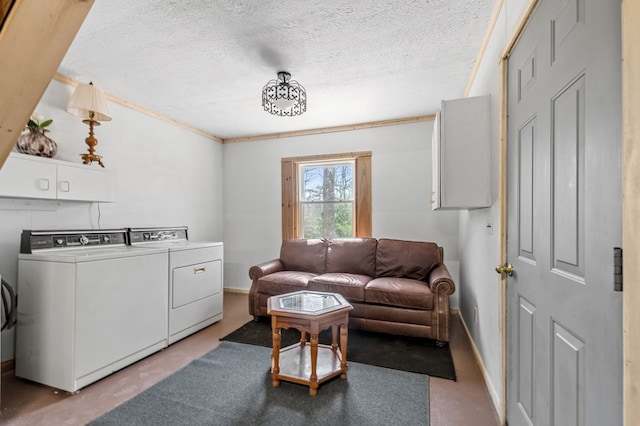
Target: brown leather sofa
x,y
395,286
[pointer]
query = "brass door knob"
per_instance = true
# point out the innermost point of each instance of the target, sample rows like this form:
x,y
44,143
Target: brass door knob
x,y
505,269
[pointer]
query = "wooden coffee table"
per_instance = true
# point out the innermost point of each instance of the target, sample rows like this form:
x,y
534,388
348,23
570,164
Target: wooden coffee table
x,y
310,312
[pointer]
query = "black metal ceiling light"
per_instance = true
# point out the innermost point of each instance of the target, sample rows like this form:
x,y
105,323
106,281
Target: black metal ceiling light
x,y
284,97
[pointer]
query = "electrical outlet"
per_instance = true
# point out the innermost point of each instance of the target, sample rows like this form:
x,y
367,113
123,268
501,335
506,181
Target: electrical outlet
x,y
475,314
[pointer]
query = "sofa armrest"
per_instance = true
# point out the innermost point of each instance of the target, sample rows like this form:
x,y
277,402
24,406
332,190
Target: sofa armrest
x,y
266,268
255,273
442,286
441,282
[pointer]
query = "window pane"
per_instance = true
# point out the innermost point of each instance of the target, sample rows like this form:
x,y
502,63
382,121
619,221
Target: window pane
x,y
327,220
332,182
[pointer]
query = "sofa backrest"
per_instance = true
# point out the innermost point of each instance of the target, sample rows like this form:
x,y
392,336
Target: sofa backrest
x,y
406,259
304,255
352,255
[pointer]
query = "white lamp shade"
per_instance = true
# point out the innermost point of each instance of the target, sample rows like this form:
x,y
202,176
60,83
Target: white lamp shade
x,y
86,99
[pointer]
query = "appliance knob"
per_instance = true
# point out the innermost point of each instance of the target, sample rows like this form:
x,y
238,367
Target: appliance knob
x,y
106,239
84,240
59,242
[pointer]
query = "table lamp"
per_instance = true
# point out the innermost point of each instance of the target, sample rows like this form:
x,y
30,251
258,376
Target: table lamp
x,y
89,102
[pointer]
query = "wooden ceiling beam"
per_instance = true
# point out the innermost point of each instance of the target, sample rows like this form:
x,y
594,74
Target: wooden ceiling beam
x,y
34,38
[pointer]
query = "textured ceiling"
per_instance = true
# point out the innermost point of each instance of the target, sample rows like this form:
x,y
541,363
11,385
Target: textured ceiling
x,y
204,62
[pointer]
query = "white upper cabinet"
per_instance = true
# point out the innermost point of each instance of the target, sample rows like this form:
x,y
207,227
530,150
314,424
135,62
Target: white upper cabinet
x,y
79,182
461,146
21,177
24,176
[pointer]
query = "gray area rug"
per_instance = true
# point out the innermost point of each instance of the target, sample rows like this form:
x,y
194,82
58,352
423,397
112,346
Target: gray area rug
x,y
231,385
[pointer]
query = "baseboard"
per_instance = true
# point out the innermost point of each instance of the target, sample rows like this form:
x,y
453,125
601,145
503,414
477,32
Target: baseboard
x,y
7,365
495,398
236,290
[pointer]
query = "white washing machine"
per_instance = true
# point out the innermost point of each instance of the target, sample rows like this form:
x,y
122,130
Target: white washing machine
x,y
195,278
88,305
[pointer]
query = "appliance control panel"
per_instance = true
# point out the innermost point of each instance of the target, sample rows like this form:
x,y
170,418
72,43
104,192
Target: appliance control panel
x,y
55,240
151,235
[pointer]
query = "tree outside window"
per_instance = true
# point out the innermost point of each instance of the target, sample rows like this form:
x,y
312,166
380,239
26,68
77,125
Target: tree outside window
x,y
326,197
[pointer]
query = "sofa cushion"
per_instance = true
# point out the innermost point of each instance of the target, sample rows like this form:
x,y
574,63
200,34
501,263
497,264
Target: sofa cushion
x,y
304,255
399,292
406,259
351,286
284,282
352,255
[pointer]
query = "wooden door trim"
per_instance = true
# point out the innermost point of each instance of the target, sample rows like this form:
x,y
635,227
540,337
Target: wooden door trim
x,y
630,209
502,197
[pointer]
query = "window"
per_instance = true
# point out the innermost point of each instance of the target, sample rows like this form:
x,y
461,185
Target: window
x,y
326,196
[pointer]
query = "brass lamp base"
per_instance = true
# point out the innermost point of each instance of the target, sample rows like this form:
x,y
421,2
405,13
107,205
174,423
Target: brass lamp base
x,y
89,158
91,141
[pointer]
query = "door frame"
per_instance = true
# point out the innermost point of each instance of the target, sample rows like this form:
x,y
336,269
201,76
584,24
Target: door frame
x,y
630,203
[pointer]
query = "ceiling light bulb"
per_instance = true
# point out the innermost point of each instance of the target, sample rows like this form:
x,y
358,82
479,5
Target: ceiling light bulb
x,y
284,104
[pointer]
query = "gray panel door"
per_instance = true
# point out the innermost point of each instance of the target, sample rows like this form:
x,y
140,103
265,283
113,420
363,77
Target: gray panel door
x,y
564,319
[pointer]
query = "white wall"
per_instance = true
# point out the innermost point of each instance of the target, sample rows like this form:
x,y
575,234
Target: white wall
x,y
480,249
167,176
401,181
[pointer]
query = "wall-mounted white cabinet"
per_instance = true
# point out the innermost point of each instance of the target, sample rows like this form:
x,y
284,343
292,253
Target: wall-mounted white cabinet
x,y
24,176
461,146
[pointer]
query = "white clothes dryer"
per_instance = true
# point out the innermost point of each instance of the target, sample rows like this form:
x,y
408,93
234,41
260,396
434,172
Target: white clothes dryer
x,y
195,277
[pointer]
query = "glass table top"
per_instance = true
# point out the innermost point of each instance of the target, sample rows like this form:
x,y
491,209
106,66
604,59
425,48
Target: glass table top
x,y
311,302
